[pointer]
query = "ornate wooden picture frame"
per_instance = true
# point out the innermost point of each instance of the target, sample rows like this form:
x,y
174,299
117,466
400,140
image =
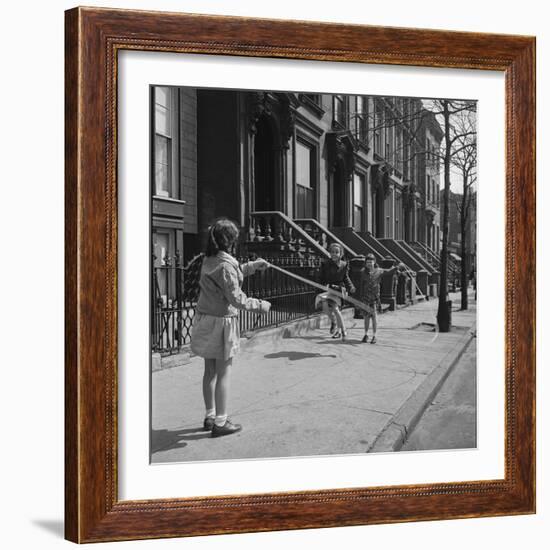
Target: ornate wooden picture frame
x,y
94,37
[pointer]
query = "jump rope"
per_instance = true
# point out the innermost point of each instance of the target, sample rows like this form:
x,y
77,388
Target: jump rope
x,y
343,296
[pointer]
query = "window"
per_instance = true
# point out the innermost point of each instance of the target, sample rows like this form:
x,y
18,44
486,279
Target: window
x,y
399,149
305,192
377,131
165,152
163,248
387,137
428,189
390,154
406,154
339,107
388,207
377,142
361,114
397,215
358,201
412,174
303,165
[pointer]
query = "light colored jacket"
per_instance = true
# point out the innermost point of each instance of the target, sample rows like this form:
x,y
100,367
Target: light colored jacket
x,y
220,287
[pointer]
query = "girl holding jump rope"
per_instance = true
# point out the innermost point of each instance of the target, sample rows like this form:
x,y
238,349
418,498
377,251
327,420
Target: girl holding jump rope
x,y
215,332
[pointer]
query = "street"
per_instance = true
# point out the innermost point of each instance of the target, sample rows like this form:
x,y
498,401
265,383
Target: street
x,y
450,420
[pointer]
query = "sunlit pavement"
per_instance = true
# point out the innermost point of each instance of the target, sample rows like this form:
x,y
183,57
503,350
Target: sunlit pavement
x,y
307,395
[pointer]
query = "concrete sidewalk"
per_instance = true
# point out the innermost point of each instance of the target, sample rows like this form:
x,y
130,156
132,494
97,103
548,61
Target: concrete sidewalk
x,y
311,395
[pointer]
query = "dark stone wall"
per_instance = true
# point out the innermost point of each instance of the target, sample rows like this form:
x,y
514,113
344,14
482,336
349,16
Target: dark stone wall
x,y
218,154
188,157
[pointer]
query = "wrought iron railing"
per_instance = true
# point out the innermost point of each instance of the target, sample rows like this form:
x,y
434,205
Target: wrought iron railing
x,y
173,309
172,315
290,299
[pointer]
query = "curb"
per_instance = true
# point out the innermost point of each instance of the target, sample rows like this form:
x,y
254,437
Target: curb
x,y
395,433
159,363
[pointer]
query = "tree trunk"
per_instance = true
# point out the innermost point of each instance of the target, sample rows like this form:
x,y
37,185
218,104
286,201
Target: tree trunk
x,y
443,314
464,267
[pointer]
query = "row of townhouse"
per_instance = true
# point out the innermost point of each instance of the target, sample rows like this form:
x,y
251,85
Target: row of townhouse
x,y
297,171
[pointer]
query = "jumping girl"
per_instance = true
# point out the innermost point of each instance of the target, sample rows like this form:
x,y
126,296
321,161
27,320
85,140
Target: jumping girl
x,y
215,333
335,274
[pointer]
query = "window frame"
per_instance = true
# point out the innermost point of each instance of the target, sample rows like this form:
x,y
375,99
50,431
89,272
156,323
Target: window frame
x,y
313,146
363,206
173,184
343,99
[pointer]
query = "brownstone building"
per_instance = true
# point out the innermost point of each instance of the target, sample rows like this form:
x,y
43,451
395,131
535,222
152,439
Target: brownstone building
x,y
297,171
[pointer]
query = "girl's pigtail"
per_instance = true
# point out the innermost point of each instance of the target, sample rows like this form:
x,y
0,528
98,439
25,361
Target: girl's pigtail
x,y
212,247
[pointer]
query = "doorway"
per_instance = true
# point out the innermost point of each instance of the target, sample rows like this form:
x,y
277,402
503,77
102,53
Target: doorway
x,y
338,197
265,167
379,213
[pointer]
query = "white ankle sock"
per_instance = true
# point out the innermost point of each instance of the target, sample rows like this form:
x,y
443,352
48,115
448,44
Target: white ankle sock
x,y
210,413
220,420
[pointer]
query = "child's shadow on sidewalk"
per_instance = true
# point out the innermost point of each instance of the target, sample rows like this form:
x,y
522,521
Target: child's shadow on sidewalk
x,y
328,340
295,355
165,440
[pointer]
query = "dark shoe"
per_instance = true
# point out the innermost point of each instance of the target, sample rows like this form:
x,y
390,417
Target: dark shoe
x,y
336,334
373,341
365,339
332,329
227,429
208,423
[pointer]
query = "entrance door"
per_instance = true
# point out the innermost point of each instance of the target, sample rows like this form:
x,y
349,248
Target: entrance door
x,y
379,213
264,168
338,198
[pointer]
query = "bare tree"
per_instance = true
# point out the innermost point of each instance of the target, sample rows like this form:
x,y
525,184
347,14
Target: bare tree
x,y
465,161
459,139
456,139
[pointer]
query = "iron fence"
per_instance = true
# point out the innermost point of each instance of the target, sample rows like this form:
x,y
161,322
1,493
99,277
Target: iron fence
x,y
172,316
172,311
290,299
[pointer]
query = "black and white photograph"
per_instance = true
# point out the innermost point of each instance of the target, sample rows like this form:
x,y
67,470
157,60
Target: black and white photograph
x,y
313,274
288,274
